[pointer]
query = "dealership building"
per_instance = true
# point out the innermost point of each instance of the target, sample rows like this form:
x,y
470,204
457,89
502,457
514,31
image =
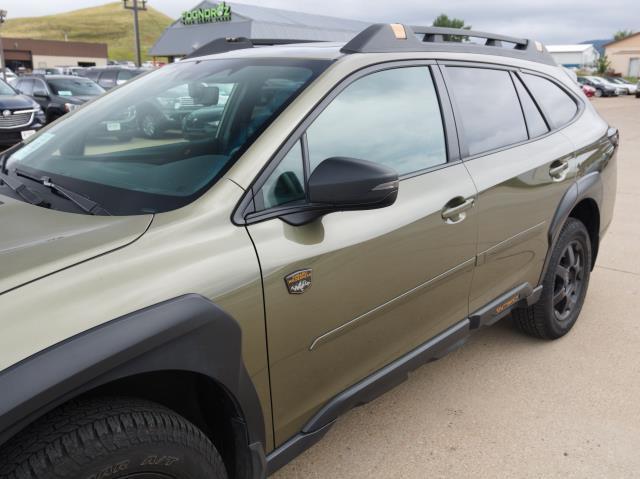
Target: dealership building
x,y
30,54
208,21
574,56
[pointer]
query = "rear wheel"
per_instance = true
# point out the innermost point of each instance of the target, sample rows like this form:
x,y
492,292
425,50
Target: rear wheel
x,y
111,438
564,286
599,92
150,125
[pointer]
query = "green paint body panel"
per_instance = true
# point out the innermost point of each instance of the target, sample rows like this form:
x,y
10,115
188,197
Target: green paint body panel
x,y
383,281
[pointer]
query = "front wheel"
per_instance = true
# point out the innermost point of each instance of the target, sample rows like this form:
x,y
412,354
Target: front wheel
x,y
564,286
111,438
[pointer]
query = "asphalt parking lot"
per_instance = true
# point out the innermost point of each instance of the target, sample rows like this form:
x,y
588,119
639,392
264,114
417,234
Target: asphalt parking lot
x,y
506,405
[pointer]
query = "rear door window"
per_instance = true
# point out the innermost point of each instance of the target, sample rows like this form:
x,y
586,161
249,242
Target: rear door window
x,y
488,104
557,104
535,122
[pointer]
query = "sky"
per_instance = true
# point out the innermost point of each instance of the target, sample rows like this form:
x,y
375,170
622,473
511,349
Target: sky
x,y
550,21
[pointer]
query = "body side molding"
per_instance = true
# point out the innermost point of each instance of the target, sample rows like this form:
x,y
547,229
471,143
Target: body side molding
x,y
188,333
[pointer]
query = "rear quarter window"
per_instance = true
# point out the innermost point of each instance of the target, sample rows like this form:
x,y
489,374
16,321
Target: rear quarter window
x,y
559,107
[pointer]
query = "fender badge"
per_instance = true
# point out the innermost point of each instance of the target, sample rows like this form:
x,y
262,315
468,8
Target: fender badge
x,y
299,281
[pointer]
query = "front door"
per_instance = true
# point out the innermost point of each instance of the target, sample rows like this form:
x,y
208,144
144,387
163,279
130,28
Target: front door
x,y
350,292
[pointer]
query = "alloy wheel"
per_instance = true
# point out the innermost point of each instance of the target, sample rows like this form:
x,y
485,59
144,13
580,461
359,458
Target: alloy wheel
x,y
569,280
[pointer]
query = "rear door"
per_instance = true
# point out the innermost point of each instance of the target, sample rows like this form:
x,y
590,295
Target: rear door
x,y
520,168
378,283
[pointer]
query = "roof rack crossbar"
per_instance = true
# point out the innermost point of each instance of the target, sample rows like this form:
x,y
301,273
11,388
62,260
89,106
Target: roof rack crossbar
x,y
385,38
222,45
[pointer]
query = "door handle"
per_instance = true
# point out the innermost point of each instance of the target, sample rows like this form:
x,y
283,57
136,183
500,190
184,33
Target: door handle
x,y
454,211
558,169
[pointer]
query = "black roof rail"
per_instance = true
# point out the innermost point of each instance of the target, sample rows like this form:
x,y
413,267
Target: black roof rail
x,y
221,45
390,38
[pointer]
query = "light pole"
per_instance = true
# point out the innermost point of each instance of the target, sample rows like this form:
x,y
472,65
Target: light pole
x,y
135,6
3,17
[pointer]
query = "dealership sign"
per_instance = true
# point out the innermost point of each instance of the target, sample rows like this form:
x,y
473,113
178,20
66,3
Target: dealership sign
x,y
221,13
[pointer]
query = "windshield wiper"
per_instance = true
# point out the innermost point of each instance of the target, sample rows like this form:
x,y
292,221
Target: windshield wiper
x,y
22,191
85,204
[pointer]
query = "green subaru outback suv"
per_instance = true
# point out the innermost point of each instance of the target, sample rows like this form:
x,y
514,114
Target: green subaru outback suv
x,y
207,308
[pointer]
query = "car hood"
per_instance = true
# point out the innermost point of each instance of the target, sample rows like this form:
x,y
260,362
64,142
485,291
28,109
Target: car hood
x,y
36,242
15,102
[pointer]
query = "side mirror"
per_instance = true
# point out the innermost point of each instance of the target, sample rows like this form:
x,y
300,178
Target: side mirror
x,y
346,184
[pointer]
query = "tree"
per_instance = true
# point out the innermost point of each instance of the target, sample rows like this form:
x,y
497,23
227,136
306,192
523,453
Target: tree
x,y
603,64
446,22
622,34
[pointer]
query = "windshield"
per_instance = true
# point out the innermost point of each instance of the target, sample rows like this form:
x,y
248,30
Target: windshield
x,y
74,87
6,89
157,143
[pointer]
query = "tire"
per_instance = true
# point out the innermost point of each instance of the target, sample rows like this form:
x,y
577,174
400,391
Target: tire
x,y
564,286
114,438
599,92
150,125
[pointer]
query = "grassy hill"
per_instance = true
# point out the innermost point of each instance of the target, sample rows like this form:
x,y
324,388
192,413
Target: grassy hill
x,y
109,23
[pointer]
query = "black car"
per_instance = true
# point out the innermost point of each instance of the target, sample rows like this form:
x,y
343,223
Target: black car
x,y
58,94
20,116
109,77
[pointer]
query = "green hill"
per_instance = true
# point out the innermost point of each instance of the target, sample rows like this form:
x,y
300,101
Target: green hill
x,y
110,24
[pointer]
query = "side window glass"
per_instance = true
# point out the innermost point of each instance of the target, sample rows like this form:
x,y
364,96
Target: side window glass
x,y
535,122
390,117
491,113
26,86
286,184
557,104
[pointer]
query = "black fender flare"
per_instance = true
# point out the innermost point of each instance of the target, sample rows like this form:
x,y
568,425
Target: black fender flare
x,y
188,333
588,186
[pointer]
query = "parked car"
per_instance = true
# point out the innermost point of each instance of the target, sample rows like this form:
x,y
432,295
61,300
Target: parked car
x,y
631,88
111,76
603,87
589,91
60,94
20,116
208,308
168,111
638,90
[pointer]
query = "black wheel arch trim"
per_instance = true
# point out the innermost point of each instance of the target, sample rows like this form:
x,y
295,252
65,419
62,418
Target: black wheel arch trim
x,y
188,333
588,186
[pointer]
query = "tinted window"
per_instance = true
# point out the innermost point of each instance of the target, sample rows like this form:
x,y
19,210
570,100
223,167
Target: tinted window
x,y
390,117
6,89
490,109
535,123
557,104
26,86
74,86
286,184
108,78
40,88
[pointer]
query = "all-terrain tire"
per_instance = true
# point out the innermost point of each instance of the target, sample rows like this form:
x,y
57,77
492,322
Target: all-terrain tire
x,y
112,438
564,286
